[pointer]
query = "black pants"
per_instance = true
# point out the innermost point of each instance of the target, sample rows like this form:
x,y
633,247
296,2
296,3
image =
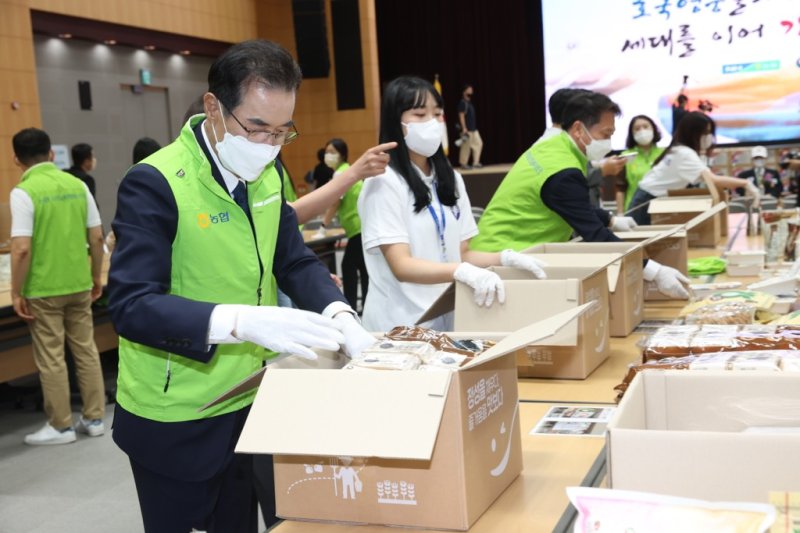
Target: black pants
x,y
226,503
353,267
264,473
641,216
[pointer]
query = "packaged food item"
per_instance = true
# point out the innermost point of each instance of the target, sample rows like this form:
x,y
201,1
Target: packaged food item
x,y
760,361
713,341
386,361
607,511
669,341
667,363
723,313
713,361
761,300
790,362
385,347
445,359
792,318
437,339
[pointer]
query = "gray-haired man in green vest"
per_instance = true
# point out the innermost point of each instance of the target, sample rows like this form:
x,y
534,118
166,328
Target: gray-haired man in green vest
x,y
53,284
545,198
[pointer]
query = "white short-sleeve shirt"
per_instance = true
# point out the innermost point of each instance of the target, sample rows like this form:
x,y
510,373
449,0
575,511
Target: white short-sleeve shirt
x,y
386,208
681,167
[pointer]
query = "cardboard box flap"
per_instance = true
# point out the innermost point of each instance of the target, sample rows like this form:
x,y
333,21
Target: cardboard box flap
x,y
679,205
649,235
249,383
611,261
394,415
673,232
443,304
705,215
535,333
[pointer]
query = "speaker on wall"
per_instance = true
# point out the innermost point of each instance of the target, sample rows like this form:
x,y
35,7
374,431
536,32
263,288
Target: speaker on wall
x,y
85,94
347,54
311,38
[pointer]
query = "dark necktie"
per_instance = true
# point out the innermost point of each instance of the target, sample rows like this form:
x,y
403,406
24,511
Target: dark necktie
x,y
240,197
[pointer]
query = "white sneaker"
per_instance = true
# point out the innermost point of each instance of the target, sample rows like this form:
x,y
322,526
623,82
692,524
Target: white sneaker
x,y
93,428
50,435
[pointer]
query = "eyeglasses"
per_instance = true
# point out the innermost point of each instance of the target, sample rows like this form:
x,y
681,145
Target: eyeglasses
x,y
269,137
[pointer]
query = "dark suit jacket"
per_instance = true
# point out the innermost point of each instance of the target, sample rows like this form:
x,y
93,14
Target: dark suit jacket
x,y
142,311
771,179
84,177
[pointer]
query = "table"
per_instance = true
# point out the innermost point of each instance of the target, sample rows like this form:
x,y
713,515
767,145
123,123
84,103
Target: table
x,y
536,501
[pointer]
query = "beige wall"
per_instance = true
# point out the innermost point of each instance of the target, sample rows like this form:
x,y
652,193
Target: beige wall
x,y
223,20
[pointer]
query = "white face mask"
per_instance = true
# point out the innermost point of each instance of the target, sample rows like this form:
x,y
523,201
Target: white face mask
x,y
758,163
332,160
707,141
244,158
643,137
597,148
423,138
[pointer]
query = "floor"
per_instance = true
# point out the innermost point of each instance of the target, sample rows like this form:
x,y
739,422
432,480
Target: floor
x,y
84,487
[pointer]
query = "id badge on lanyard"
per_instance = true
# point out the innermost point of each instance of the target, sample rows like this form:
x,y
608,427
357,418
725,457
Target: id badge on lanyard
x,y
441,226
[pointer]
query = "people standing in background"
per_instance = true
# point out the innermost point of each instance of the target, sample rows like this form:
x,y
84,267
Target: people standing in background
x,y
468,122
322,173
53,285
144,147
201,229
83,162
683,163
643,136
346,208
766,179
679,110
416,219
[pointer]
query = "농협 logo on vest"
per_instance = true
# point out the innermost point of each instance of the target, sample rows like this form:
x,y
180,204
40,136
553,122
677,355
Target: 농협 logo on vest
x,y
204,220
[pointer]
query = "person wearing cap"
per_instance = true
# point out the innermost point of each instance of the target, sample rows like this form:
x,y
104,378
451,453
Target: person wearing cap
x,y
766,179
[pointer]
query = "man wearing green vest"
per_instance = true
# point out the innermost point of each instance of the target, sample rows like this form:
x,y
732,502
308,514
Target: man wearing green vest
x,y
545,198
53,284
202,227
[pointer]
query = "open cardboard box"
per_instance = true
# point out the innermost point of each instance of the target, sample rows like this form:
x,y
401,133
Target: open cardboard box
x,y
709,190
625,283
417,449
679,210
683,434
574,352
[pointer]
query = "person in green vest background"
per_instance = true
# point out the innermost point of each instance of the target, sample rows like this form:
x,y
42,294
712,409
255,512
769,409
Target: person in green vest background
x,y
202,228
643,137
354,270
544,198
53,284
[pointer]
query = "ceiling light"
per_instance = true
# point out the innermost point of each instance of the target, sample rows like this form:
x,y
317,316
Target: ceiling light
x,y
65,35
184,52
149,47
110,42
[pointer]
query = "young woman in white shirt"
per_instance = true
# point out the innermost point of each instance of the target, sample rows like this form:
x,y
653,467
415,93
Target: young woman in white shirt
x,y
416,219
683,164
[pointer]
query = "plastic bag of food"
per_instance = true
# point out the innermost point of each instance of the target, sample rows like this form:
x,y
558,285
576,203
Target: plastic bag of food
x,y
668,341
725,312
437,339
761,300
615,511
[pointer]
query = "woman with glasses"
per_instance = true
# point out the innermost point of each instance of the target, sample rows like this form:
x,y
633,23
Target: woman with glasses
x,y
416,219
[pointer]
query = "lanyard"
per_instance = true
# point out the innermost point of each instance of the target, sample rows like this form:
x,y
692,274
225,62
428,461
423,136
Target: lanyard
x,y
440,229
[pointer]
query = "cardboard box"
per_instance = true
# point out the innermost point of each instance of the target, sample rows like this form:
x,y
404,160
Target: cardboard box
x,y
679,210
416,449
667,245
682,433
709,190
574,352
745,263
625,283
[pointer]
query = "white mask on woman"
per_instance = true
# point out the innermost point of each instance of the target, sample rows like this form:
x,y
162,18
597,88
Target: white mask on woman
x,y
707,141
332,160
244,158
424,138
643,137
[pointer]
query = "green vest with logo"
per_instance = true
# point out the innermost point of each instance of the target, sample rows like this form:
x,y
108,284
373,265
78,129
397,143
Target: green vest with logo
x,y
636,168
59,264
348,207
516,217
215,258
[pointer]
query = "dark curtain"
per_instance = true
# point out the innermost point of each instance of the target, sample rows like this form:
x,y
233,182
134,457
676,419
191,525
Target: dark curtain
x,y
494,45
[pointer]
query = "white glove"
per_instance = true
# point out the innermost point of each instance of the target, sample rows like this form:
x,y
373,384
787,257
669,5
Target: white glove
x,y
752,190
623,224
356,338
320,234
484,282
669,281
287,330
510,258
